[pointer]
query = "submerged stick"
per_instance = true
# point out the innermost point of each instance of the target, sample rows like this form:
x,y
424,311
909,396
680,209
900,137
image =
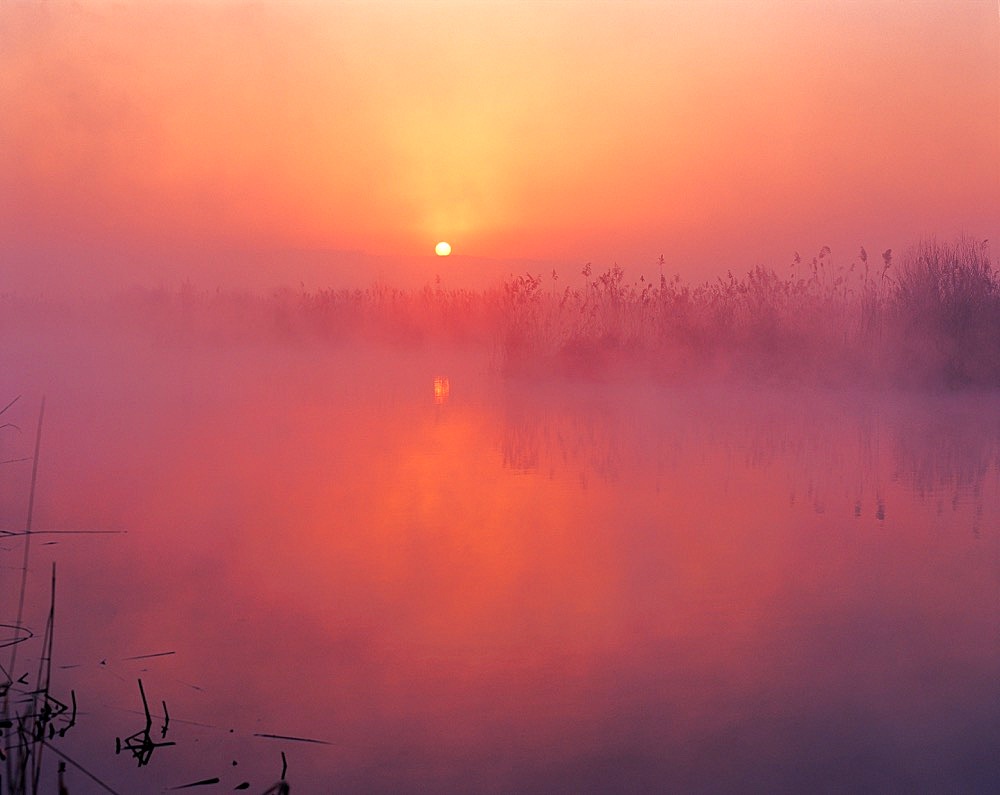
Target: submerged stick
x,y
79,767
17,775
43,679
27,531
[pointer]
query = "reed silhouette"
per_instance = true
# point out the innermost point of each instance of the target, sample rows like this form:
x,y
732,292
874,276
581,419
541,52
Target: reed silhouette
x,y
927,319
33,718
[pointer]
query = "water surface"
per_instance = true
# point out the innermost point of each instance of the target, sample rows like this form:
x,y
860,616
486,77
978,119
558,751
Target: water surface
x,y
464,583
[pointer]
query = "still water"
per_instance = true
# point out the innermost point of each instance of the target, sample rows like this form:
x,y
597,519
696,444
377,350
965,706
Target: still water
x,y
409,574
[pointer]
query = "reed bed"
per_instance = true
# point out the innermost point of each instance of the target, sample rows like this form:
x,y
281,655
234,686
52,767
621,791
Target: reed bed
x,y
932,318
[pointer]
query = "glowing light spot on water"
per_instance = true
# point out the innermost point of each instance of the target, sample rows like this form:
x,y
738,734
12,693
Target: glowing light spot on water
x,y
441,389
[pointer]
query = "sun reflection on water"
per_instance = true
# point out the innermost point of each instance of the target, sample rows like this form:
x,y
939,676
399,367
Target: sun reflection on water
x,y
441,389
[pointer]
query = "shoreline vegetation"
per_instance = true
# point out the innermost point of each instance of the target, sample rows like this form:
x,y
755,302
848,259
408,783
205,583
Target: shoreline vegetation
x,y
927,319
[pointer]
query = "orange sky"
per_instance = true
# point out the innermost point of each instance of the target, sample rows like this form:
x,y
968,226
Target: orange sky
x,y
719,134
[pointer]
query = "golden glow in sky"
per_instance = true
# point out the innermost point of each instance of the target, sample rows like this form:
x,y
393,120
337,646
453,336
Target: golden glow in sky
x,y
726,133
442,249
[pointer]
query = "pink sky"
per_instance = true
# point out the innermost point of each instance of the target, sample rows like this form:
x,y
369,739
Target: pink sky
x,y
153,142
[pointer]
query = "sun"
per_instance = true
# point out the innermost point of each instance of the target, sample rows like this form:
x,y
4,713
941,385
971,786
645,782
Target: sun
x,y
442,249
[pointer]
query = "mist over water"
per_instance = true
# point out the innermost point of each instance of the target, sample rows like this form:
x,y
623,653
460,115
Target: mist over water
x,y
660,482
465,565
